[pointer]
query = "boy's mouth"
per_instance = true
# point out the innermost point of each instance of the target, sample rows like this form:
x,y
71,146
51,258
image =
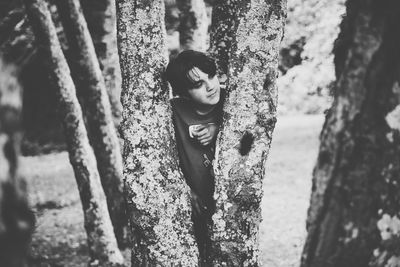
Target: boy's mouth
x,y
212,95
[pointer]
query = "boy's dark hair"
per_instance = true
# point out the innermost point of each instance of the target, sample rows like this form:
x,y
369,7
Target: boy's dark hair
x,y
178,68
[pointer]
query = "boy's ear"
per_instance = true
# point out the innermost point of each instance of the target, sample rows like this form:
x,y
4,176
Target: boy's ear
x,y
223,78
222,81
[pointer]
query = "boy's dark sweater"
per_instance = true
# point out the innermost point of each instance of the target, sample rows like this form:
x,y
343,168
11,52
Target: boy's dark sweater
x,y
195,159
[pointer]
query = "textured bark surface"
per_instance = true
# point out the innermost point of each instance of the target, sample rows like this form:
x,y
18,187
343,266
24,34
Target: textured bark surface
x,y
16,220
96,107
193,28
353,219
226,16
101,20
102,244
158,197
246,38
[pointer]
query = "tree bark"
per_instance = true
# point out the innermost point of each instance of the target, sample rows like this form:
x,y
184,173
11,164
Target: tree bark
x,y
193,28
224,24
157,193
101,20
102,244
16,220
96,107
246,36
353,219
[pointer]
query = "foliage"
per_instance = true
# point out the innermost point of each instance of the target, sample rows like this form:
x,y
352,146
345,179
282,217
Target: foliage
x,y
311,29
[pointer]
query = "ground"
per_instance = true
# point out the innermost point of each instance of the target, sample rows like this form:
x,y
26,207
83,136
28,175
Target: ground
x,y
287,189
59,237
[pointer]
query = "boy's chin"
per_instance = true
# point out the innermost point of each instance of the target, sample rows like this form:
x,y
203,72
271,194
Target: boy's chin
x,y
214,100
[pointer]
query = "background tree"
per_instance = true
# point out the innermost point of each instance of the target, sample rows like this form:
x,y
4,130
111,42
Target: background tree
x,y
16,219
353,219
158,197
193,27
246,37
15,40
102,244
96,107
100,16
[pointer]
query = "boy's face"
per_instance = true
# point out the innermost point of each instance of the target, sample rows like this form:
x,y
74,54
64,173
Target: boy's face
x,y
206,90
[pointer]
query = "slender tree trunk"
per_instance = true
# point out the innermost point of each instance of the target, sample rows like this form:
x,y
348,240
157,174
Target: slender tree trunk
x,y
96,107
101,20
224,24
246,36
157,193
16,220
9,21
353,219
193,28
102,244
15,36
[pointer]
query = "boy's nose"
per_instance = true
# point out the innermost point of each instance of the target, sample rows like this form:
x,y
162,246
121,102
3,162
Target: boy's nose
x,y
209,85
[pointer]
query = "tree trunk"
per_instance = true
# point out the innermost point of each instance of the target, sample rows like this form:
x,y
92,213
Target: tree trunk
x,y
193,28
101,20
246,36
158,196
15,36
225,21
96,106
16,220
102,244
353,219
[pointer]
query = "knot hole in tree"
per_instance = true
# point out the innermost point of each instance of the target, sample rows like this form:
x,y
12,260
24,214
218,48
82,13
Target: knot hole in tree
x,y
246,143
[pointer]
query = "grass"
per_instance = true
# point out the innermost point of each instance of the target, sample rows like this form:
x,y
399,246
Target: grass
x,y
59,238
287,189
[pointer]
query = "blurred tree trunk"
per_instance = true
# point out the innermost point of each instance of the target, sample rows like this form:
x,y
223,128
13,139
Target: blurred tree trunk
x,y
193,28
102,244
246,37
15,36
353,219
158,196
16,220
96,107
101,20
9,21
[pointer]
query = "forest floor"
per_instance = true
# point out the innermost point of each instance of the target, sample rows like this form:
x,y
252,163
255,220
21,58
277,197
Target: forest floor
x,y
59,238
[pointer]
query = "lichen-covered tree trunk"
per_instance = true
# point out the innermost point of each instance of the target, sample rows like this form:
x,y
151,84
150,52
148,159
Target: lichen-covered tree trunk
x,y
246,37
193,27
101,20
96,107
353,219
224,24
16,220
102,244
158,197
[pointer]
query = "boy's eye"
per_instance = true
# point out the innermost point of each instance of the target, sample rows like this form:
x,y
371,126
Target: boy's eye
x,y
211,76
198,84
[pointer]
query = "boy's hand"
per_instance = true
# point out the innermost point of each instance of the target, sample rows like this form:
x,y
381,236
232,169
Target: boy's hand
x,y
206,134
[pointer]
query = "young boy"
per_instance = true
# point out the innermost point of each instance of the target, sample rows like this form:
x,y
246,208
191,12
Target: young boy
x,y
197,111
